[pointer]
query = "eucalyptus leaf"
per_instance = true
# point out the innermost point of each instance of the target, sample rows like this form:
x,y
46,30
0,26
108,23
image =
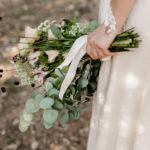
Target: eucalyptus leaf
x,y
27,116
59,73
83,82
58,105
30,106
55,30
58,82
64,117
50,116
46,103
34,93
48,86
53,92
51,79
38,100
47,126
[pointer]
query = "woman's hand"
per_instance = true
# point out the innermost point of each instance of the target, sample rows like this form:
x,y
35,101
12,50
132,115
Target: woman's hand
x,y
98,43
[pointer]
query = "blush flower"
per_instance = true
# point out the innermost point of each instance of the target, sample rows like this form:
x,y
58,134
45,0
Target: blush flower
x,y
23,46
52,54
31,34
33,57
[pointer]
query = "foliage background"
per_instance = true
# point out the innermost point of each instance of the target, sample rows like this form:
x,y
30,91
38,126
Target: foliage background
x,y
16,15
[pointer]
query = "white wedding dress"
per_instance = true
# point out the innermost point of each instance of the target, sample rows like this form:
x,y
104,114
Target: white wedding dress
x,y
121,106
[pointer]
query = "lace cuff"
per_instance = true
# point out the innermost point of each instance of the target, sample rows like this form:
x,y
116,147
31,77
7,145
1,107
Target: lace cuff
x,y
106,16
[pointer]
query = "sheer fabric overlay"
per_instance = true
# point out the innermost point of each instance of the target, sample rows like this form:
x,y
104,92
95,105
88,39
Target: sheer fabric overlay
x,y
121,105
106,15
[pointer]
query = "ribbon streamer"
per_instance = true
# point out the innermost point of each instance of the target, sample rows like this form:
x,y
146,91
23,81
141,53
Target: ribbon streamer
x,y
74,56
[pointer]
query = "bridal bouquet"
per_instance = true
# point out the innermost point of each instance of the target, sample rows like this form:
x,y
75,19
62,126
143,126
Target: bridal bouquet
x,y
52,59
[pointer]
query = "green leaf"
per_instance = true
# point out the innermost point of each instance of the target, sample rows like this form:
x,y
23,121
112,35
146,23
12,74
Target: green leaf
x,y
53,93
59,73
65,69
58,82
38,100
93,25
47,126
83,109
48,86
30,106
34,93
85,73
64,117
93,85
50,116
73,90
75,20
27,116
83,82
58,105
51,79
46,103
23,125
74,115
55,30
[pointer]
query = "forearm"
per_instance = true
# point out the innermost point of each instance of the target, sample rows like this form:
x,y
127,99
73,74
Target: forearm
x,y
121,10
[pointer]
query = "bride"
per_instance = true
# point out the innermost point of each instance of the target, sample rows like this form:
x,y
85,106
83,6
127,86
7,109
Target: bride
x,y
121,107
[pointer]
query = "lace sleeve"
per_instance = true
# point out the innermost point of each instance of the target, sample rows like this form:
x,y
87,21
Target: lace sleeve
x,y
106,16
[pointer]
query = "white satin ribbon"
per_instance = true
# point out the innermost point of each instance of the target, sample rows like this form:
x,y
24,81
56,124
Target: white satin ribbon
x,y
74,56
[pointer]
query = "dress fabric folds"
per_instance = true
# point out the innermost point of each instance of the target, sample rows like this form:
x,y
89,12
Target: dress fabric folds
x,y
121,105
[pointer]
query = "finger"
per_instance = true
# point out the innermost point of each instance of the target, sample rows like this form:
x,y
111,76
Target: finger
x,y
90,52
104,51
100,53
112,53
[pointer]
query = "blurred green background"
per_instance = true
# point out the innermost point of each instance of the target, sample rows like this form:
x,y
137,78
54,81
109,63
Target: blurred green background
x,y
16,15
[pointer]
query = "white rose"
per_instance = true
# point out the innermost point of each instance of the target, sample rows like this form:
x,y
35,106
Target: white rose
x,y
31,34
52,54
51,36
23,46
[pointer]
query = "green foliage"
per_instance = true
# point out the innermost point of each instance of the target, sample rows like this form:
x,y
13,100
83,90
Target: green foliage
x,y
46,103
58,105
64,117
55,30
31,106
48,86
84,83
50,116
53,93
